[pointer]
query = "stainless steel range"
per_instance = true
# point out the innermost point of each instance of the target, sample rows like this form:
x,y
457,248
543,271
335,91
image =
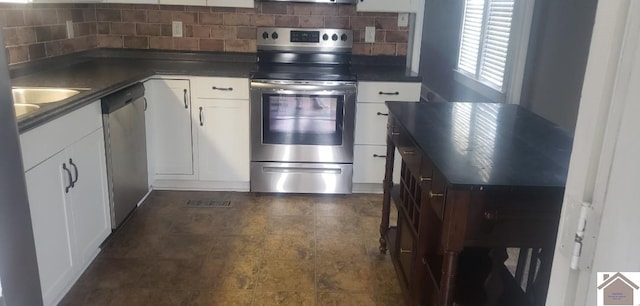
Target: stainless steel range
x,y
302,111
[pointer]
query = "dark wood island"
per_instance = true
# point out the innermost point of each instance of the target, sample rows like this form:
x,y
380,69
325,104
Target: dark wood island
x,y
476,179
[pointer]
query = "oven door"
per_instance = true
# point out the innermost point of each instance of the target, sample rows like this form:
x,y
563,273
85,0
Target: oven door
x,y
297,121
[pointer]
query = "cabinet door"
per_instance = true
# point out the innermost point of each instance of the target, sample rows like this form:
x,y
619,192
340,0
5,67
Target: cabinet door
x,y
52,232
231,3
89,197
371,124
223,140
407,6
184,2
169,127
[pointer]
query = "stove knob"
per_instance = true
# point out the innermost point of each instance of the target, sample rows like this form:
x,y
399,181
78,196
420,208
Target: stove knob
x,y
334,37
343,37
325,37
265,35
274,35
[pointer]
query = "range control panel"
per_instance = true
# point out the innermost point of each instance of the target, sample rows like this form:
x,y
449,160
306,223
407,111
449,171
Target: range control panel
x,y
292,39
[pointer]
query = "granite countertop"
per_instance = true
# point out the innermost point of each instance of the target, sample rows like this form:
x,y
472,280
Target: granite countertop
x,y
103,72
487,144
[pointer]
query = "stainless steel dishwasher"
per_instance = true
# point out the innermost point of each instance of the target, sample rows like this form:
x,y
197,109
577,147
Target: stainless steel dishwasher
x,y
124,134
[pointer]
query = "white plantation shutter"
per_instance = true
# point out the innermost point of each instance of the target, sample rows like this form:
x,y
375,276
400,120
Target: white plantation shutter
x,y
471,35
484,42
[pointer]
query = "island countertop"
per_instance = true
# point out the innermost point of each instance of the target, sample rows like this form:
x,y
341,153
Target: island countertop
x,y
475,145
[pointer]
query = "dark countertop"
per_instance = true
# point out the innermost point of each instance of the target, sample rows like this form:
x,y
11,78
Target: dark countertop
x,y
487,144
105,71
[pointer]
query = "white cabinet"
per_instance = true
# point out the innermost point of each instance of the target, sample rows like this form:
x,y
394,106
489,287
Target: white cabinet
x,y
169,129
371,131
231,3
399,6
132,1
223,139
184,2
221,110
68,199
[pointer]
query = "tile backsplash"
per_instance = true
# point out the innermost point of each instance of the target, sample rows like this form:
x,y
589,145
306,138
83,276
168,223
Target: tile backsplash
x,y
34,31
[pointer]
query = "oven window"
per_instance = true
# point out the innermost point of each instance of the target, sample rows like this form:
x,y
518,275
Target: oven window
x,y
302,119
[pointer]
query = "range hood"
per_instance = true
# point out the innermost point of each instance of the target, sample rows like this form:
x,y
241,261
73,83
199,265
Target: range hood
x,y
316,1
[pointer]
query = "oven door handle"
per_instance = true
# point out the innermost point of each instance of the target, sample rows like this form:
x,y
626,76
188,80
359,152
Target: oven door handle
x,y
280,87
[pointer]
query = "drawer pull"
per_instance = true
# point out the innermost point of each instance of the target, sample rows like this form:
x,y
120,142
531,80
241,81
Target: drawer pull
x,y
382,114
223,89
425,179
403,251
382,93
395,133
424,260
186,99
435,195
409,152
380,156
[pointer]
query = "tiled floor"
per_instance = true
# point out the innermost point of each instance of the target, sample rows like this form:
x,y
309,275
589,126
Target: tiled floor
x,y
264,250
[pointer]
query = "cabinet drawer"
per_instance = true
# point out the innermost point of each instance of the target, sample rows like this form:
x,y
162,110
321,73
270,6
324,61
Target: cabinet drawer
x,y
371,124
220,88
388,91
44,141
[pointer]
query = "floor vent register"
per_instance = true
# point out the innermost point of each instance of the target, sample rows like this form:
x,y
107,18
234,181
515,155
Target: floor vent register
x,y
208,203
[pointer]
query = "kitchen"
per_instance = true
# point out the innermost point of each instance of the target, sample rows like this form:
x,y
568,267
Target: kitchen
x,y
395,45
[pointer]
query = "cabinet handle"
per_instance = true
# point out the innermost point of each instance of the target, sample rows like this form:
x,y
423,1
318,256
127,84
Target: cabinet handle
x,y
491,215
403,251
75,169
223,89
425,179
382,93
382,114
185,100
201,123
395,133
409,152
146,105
66,188
435,195
380,156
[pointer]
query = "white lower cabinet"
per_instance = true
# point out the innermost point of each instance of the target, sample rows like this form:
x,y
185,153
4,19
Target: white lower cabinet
x,y
68,199
223,139
169,129
371,131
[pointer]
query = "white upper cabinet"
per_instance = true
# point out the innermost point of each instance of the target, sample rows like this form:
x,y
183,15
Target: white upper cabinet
x,y
184,2
397,6
231,3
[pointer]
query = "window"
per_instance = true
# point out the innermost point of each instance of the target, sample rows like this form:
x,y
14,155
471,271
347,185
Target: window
x,y
489,51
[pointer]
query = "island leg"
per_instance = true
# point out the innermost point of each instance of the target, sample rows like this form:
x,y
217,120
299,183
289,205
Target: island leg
x,y
387,184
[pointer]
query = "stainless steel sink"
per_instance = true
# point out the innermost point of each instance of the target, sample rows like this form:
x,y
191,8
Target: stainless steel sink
x,y
41,95
23,109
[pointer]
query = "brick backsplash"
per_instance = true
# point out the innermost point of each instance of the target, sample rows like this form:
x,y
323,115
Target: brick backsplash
x,y
34,31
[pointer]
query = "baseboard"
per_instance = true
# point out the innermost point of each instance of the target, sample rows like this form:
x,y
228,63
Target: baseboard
x,y
200,185
367,188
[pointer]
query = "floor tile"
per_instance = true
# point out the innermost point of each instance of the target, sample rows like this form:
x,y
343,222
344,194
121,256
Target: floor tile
x,y
263,250
291,275
223,298
283,298
289,247
329,298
